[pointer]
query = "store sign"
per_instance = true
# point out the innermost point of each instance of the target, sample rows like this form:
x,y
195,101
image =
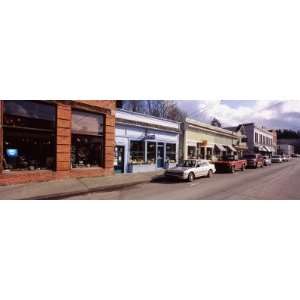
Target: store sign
x,y
150,137
202,144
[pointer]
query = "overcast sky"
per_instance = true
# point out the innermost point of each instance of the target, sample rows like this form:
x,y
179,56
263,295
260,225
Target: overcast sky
x,y
271,114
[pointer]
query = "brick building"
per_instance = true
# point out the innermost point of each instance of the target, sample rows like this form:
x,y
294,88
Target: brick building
x,y
44,140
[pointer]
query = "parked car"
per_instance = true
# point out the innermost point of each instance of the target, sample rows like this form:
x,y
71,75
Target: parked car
x,y
276,159
267,161
285,158
190,169
295,155
254,160
230,164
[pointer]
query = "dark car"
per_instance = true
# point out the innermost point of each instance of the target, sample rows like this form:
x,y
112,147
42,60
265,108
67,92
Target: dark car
x,y
254,160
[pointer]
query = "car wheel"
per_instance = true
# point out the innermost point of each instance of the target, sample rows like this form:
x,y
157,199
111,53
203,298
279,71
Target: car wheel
x,y
209,174
243,168
232,169
191,177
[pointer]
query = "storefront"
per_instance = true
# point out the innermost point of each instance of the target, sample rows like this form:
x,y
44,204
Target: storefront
x,y
144,143
43,140
204,141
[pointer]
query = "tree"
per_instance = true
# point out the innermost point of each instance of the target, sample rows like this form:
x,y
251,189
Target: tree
x,y
215,122
166,109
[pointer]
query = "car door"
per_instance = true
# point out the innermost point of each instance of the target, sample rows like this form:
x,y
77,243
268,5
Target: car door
x,y
203,169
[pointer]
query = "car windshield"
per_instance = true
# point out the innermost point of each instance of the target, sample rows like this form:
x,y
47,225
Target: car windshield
x,y
188,163
228,157
276,156
250,156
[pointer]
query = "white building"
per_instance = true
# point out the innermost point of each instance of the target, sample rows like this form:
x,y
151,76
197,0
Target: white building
x,y
285,149
144,143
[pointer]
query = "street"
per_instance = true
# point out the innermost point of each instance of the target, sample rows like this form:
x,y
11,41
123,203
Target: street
x,y
278,181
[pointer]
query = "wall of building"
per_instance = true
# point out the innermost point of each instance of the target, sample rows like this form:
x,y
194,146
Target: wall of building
x,y
294,142
194,136
127,133
63,144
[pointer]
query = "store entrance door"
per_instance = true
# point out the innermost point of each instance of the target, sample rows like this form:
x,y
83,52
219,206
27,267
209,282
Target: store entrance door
x,y
160,155
119,159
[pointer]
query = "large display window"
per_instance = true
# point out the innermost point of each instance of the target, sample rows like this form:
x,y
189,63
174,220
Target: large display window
x,y
171,153
151,152
137,152
29,135
87,139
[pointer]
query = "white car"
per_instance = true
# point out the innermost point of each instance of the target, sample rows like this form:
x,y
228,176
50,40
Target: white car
x,y
190,169
276,159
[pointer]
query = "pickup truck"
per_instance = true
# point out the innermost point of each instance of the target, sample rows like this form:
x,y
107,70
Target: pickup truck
x,y
230,164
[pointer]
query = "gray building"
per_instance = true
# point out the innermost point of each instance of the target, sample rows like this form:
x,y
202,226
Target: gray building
x,y
293,142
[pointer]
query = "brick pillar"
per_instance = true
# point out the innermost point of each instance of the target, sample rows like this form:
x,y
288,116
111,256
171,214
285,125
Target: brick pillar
x,y
1,136
63,139
109,143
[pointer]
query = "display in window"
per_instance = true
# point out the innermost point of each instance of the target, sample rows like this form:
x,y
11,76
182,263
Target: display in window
x,y
151,152
137,152
87,151
28,151
171,153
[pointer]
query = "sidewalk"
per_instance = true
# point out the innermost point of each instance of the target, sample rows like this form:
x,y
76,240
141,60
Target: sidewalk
x,y
59,189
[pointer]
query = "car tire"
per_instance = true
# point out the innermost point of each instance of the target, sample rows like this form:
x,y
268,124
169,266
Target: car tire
x,y
210,174
243,168
232,169
191,177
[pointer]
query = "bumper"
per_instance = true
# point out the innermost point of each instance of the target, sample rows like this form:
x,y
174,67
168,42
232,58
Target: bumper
x,y
176,176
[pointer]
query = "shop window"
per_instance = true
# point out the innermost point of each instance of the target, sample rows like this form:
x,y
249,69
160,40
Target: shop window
x,y
209,153
137,152
151,152
171,152
191,152
87,139
29,135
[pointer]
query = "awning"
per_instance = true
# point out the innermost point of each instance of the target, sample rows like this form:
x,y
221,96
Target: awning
x,y
231,148
220,147
267,149
261,148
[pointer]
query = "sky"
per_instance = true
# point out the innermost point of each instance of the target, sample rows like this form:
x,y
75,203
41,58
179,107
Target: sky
x,y
271,114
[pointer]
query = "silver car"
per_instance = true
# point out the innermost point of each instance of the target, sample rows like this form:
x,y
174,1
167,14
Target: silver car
x,y
267,161
190,169
276,159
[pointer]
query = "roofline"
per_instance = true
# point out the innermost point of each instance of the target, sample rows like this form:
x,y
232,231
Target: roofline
x,y
210,127
147,116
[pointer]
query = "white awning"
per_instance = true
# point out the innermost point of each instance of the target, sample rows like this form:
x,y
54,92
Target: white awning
x,y
267,149
231,148
220,147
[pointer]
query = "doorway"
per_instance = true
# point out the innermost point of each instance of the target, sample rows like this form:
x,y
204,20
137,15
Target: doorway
x,y
119,159
160,155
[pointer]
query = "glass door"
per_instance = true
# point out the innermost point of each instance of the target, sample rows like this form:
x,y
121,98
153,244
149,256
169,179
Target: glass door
x,y
160,155
119,159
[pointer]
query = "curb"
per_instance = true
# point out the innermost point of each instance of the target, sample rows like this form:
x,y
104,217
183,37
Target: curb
x,y
59,196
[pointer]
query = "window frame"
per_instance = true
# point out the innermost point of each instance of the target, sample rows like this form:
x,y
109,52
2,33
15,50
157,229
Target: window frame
x,y
87,134
51,132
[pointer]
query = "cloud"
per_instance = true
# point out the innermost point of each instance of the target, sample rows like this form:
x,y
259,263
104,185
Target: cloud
x,y
271,114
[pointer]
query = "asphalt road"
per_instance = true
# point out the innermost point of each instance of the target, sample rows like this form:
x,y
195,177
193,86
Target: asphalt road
x,y
278,181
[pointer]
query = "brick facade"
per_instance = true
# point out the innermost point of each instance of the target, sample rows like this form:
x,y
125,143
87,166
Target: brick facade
x,y
63,144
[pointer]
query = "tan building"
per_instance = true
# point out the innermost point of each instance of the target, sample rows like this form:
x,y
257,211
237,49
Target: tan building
x,y
205,141
241,145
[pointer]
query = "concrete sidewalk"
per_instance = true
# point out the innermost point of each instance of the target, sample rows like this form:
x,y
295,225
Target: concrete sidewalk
x,y
58,189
